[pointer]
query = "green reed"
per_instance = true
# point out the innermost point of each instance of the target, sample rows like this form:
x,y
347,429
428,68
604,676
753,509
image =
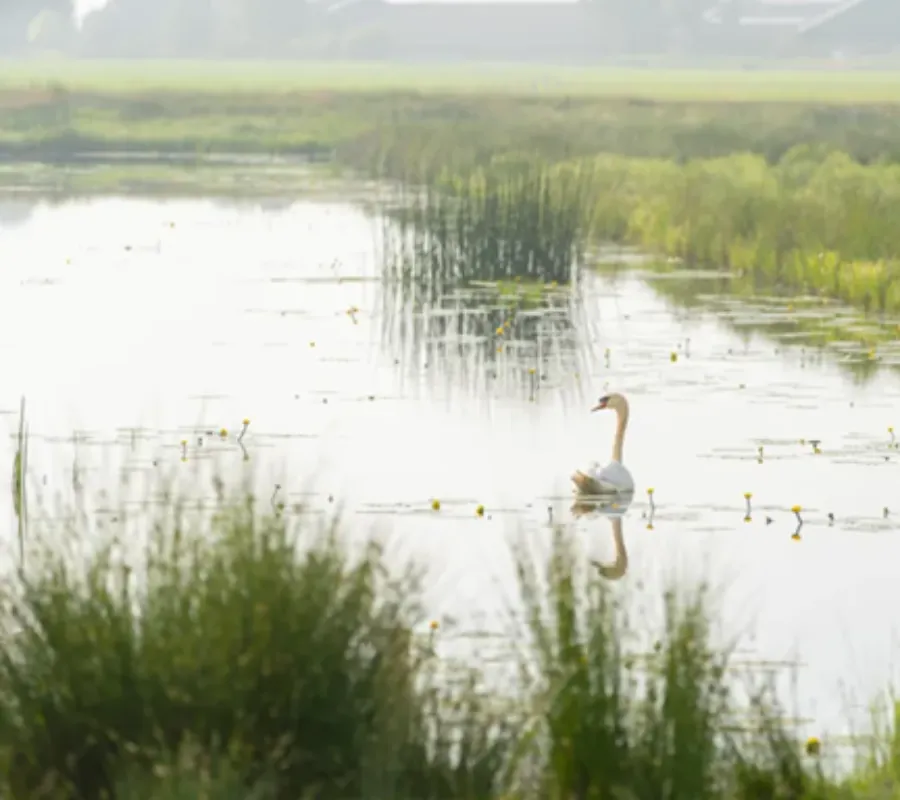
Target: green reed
x,y
515,221
815,221
877,772
243,655
811,223
613,719
18,484
191,774
295,666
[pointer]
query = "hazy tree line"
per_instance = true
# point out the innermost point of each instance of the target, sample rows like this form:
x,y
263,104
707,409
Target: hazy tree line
x,y
365,28
25,22
153,27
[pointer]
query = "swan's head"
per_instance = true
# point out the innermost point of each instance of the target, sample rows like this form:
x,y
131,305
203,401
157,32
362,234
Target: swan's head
x,y
616,402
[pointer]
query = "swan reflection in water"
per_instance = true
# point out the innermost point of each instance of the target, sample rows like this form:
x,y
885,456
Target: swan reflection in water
x,y
613,510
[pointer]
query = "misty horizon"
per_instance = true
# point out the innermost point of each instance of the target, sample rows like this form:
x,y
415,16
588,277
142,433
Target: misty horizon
x,y
539,31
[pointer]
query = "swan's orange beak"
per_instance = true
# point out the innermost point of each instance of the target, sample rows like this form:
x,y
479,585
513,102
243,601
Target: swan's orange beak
x,y
600,406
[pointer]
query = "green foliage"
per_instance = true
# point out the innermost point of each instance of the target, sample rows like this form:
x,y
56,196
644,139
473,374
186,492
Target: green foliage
x,y
192,774
248,658
613,720
299,667
816,221
822,225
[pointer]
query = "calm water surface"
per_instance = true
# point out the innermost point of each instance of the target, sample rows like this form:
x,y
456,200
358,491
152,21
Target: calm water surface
x,y
133,325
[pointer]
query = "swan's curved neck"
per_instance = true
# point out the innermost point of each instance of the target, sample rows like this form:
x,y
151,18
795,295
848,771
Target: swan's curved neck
x,y
621,425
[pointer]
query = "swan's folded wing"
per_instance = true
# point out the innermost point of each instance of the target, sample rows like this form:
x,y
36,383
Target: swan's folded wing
x,y
617,476
593,480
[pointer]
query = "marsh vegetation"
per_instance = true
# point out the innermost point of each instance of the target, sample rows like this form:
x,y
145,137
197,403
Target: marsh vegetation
x,y
232,652
517,222
814,222
243,654
244,648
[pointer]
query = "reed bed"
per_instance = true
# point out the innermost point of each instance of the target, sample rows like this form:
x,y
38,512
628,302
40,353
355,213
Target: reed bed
x,y
225,653
814,222
519,221
244,655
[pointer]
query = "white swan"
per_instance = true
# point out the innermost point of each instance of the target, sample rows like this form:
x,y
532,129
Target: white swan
x,y
613,477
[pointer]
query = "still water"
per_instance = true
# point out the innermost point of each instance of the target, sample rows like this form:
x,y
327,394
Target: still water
x,y
132,325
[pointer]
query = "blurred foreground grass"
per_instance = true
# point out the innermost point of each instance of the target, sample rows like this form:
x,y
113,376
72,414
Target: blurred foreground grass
x,y
245,655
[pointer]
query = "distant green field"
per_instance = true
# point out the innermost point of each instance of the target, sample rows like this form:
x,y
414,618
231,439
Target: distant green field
x,y
222,77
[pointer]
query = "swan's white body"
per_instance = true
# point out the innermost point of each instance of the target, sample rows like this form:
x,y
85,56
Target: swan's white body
x,y
613,477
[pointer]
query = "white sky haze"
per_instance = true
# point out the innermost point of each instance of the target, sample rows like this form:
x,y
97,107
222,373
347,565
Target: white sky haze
x,y
84,7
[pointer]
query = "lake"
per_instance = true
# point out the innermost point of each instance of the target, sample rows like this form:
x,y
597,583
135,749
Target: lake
x,y
132,325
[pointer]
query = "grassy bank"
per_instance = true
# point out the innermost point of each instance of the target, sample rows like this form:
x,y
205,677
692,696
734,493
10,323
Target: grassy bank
x,y
59,111
249,656
800,82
